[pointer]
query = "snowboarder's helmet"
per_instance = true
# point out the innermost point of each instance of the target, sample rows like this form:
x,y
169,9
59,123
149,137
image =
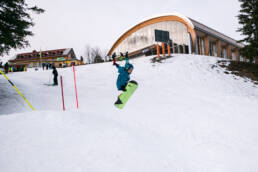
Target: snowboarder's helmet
x,y
128,66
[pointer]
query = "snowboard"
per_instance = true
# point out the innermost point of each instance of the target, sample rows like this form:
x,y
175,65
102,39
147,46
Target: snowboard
x,y
124,97
49,84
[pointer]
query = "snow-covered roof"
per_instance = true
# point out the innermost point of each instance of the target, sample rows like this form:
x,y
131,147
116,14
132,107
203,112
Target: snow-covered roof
x,y
186,19
66,51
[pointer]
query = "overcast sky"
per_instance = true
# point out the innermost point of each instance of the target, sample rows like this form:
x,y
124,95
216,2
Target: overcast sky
x,y
76,23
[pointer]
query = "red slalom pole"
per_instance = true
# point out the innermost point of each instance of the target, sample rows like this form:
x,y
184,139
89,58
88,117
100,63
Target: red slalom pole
x,y
61,79
75,87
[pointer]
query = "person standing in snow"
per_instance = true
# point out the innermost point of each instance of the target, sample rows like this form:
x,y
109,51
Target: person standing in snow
x,y
55,73
6,67
124,72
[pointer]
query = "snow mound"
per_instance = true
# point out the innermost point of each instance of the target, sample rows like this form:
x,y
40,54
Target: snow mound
x,y
186,115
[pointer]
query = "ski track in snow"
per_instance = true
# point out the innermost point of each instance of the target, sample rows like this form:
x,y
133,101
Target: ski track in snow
x,y
184,116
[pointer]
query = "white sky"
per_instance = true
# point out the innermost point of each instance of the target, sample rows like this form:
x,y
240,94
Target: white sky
x,y
75,23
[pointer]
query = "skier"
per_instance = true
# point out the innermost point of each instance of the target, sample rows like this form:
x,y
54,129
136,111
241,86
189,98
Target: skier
x,y
55,73
124,72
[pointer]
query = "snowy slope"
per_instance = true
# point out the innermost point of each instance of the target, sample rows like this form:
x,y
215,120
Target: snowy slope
x,y
184,116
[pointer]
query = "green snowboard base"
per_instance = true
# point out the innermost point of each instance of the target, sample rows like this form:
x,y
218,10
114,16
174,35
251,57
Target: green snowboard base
x,y
124,97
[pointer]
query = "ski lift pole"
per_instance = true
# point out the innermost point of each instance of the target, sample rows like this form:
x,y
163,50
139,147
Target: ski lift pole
x,y
75,87
18,91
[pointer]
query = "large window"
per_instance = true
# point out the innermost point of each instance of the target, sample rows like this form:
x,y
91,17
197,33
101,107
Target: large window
x,y
212,49
200,47
224,53
161,36
241,58
233,56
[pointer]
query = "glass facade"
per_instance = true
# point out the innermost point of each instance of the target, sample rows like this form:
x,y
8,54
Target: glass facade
x,y
145,37
212,49
233,56
200,47
241,58
224,53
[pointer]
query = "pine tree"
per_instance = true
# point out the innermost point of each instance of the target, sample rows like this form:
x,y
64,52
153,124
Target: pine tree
x,y
248,18
82,59
98,59
15,22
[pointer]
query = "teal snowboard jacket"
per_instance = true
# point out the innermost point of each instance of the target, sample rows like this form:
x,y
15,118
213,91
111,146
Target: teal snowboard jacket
x,y
123,76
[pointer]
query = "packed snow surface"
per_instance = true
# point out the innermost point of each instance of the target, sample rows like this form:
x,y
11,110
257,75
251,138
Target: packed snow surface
x,y
187,115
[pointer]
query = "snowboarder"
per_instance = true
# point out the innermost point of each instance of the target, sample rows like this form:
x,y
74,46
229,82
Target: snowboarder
x,y
55,73
124,72
123,83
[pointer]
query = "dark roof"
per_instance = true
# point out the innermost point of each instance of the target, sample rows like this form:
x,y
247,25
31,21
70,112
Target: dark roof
x,y
48,53
214,33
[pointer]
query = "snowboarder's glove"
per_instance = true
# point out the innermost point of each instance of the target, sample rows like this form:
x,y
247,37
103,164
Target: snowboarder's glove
x,y
113,56
114,60
115,64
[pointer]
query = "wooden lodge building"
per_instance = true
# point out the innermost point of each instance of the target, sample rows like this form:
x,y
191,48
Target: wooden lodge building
x,y
180,34
58,58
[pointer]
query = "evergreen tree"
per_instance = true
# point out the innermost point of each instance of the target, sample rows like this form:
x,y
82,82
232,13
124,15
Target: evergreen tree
x,y
98,59
15,22
248,18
